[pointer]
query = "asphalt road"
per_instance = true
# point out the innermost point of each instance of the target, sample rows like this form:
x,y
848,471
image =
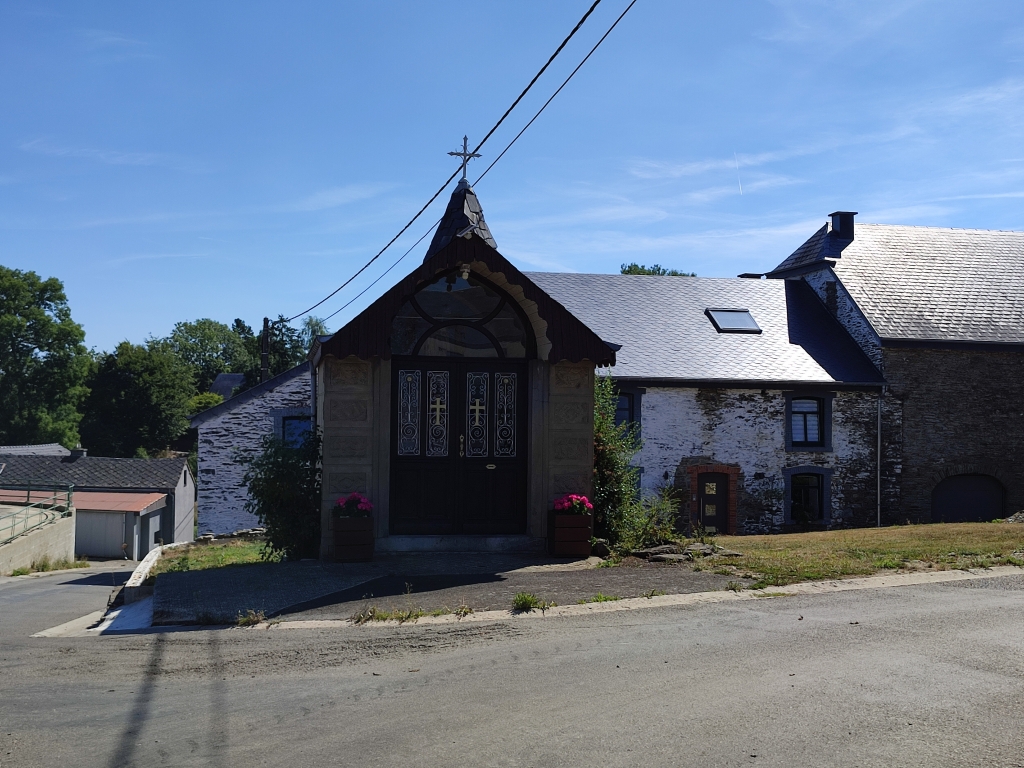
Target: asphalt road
x,y
911,676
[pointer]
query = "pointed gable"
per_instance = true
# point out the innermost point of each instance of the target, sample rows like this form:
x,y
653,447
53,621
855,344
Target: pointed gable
x,y
462,239
464,215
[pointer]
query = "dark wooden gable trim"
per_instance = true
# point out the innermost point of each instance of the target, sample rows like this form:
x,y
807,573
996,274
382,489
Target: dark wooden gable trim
x,y
565,337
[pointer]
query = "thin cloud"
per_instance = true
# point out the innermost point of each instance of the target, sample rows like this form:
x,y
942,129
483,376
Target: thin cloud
x,y
103,38
152,257
336,197
109,156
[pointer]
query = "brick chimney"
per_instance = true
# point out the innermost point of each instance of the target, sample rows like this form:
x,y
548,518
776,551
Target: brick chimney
x,y
842,224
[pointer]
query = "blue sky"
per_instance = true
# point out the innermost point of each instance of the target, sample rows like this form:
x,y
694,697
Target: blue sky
x,y
182,160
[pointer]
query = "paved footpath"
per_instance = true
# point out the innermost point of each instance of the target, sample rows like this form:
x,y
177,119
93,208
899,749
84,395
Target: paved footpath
x,y
332,591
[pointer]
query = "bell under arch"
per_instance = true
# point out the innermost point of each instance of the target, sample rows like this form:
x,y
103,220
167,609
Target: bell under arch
x,y
462,314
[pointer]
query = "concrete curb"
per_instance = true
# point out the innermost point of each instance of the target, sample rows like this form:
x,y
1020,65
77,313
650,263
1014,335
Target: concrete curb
x,y
882,581
133,588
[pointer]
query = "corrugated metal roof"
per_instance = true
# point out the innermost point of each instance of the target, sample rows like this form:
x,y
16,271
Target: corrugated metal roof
x,y
664,333
928,283
99,501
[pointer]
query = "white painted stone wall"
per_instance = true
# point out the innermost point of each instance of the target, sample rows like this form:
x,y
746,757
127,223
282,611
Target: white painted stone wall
x,y
846,312
226,439
744,428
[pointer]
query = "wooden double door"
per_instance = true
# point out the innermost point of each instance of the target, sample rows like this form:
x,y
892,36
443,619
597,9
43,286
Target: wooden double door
x,y
458,446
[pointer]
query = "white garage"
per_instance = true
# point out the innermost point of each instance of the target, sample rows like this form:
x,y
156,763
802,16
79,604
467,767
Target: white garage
x,y
118,524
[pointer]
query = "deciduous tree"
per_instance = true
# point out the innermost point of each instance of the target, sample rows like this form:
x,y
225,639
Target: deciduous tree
x,y
43,361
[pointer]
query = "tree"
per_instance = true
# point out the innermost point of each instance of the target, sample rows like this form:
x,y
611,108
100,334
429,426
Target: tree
x,y
286,349
284,494
312,327
208,348
654,269
43,361
615,445
203,401
138,403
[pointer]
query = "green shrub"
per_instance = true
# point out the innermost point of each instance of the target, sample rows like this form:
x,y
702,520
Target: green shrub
x,y
644,522
524,601
615,478
284,493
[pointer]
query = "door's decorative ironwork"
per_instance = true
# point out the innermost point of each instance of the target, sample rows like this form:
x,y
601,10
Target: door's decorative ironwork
x,y
505,414
409,413
437,413
476,414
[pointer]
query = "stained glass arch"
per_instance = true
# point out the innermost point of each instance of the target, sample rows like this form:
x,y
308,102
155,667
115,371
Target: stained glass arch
x,y
461,314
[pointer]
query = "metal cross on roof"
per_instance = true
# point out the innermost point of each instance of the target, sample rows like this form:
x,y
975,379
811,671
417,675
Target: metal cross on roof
x,y
465,154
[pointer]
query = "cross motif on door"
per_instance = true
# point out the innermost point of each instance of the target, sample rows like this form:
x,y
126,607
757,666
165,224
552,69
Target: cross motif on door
x,y
438,408
477,409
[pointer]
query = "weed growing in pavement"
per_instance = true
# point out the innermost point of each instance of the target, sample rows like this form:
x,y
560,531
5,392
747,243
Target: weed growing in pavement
x,y
250,618
611,562
45,564
598,598
524,601
772,594
723,571
462,611
735,586
653,593
701,535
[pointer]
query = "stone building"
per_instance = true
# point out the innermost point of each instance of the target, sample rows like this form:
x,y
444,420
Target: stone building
x,y
754,403
460,402
232,431
940,312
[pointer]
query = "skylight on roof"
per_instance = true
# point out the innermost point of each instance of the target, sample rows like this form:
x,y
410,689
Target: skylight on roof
x,y
732,320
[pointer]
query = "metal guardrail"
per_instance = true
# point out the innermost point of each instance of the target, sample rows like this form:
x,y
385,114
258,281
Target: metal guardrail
x,y
33,506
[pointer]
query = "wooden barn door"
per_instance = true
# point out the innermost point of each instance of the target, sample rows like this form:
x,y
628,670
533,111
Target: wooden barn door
x,y
458,459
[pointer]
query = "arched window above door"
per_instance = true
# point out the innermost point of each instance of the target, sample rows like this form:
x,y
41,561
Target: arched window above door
x,y
460,315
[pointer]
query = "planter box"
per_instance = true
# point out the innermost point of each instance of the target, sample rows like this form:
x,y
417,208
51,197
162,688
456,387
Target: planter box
x,y
353,539
571,535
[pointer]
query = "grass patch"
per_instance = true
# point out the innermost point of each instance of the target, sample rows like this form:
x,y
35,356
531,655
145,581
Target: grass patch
x,y
598,598
45,564
611,562
373,613
215,554
789,558
525,601
250,618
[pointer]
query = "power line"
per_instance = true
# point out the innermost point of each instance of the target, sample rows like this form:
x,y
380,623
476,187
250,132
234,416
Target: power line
x,y
449,181
395,264
571,74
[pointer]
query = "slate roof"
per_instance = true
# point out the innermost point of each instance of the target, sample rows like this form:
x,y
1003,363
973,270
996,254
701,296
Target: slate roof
x,y
463,213
243,397
44,449
225,383
926,283
664,333
92,472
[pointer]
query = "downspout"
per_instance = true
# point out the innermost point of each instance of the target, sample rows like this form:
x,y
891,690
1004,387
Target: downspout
x,y
878,455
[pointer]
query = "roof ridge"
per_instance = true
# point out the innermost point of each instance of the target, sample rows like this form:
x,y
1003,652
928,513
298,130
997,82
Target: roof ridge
x,y
943,229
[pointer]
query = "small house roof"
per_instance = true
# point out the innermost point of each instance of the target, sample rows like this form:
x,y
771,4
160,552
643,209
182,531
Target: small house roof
x,y
105,501
93,472
302,369
926,283
666,335
44,449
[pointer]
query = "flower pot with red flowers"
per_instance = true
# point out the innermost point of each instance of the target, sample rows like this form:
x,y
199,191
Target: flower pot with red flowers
x,y
352,523
573,526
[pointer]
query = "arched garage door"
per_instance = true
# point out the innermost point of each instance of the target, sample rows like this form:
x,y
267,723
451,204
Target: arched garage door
x,y
967,499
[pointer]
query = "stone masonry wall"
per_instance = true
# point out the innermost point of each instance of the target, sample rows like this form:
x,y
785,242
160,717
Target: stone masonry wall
x,y
223,441
842,306
570,464
346,413
746,429
963,414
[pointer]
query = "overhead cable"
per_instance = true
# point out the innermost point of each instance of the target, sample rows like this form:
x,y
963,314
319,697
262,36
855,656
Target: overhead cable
x,y
450,178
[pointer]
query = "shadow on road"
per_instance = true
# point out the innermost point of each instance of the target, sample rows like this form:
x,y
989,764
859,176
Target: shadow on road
x,y
393,585
124,756
108,579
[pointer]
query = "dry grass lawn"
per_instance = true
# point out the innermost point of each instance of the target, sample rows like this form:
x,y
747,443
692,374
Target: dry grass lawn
x,y
788,558
214,554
